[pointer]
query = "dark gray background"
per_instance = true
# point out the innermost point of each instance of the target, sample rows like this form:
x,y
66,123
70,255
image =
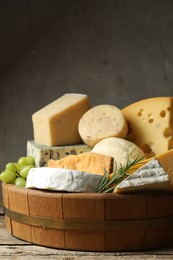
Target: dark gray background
x,y
116,51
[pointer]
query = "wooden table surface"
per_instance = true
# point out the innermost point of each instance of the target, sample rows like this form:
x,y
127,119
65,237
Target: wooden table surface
x,y
13,248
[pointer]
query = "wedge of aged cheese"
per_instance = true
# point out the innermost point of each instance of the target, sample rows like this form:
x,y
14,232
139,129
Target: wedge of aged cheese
x,y
120,149
42,153
166,160
151,176
87,162
100,122
62,180
57,123
150,124
155,174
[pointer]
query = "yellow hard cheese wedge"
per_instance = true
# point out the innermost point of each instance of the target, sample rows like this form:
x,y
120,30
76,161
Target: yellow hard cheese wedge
x,y
100,122
87,162
57,123
156,174
150,124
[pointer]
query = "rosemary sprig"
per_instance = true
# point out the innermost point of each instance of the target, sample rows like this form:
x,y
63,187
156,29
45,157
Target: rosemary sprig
x,y
107,185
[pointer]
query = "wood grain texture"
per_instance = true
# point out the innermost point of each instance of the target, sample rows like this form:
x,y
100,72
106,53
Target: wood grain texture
x,y
89,221
13,248
6,204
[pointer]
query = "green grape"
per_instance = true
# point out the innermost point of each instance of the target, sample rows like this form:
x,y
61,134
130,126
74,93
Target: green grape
x,y
7,176
25,170
17,172
21,161
17,165
20,182
28,160
11,167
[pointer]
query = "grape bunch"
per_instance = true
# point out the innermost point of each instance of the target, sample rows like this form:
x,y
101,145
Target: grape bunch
x,y
17,172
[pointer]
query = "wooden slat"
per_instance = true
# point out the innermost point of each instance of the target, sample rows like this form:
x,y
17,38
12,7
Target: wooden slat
x,y
46,204
6,204
85,207
159,206
132,207
18,202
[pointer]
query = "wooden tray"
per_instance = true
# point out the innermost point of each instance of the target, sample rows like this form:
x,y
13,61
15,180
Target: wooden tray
x,y
90,222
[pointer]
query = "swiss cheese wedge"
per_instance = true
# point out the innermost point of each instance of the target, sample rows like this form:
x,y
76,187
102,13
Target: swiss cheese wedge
x,y
87,162
150,124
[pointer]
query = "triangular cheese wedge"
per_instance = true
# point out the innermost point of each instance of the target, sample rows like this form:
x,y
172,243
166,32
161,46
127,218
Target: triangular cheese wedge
x,y
62,180
87,162
155,174
150,124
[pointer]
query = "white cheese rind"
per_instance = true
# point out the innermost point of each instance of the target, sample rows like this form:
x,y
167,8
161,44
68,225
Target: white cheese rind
x,y
151,176
120,149
43,153
62,180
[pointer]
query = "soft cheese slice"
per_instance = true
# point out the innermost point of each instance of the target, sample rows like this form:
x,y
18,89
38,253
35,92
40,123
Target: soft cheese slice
x,y
100,122
57,123
153,171
62,180
43,153
120,149
151,176
87,162
150,124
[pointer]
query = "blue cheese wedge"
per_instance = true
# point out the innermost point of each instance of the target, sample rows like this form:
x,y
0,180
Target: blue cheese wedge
x,y
151,176
43,153
62,180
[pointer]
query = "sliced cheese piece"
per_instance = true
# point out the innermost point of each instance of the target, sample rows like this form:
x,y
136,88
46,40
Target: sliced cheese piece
x,y
57,123
87,162
151,176
120,149
100,122
150,124
62,180
43,153
166,160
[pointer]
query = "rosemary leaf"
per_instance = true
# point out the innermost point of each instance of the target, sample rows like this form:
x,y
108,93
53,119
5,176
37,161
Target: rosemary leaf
x,y
107,185
103,181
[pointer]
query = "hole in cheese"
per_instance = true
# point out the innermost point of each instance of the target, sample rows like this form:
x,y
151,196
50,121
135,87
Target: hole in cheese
x,y
139,114
167,133
148,150
151,120
163,113
160,109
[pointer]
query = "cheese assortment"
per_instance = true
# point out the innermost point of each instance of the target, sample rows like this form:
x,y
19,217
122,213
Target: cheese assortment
x,y
43,153
150,124
76,145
